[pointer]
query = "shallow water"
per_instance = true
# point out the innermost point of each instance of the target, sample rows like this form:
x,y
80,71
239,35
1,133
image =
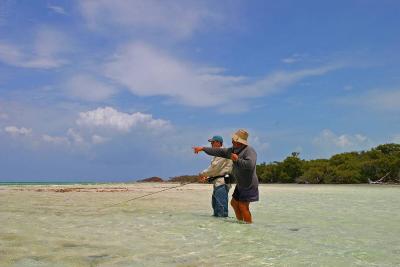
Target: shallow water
x,y
294,225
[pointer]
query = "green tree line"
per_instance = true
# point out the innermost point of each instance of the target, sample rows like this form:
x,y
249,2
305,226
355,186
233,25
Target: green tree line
x,y
380,164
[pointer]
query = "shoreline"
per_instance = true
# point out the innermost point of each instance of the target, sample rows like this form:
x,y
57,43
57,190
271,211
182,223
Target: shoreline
x,y
147,187
165,183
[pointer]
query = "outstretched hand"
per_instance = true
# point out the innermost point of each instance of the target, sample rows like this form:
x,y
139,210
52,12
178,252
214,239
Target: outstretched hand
x,y
197,149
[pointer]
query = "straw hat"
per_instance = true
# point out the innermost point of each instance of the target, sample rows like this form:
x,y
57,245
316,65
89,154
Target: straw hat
x,y
241,136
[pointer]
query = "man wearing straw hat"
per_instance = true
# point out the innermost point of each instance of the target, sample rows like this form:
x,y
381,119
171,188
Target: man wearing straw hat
x,y
244,159
218,168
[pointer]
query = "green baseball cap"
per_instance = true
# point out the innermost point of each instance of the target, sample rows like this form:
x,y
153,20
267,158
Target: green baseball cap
x,y
216,138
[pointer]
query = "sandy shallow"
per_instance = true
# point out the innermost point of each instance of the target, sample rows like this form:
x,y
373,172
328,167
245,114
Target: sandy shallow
x,y
295,225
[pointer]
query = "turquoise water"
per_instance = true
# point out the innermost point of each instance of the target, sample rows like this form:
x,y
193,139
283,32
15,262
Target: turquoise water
x,y
294,225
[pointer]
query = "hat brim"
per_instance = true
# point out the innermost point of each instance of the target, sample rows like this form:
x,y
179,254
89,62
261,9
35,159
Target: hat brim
x,y
237,138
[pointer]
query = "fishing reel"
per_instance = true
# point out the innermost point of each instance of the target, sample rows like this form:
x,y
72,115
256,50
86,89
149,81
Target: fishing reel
x,y
229,179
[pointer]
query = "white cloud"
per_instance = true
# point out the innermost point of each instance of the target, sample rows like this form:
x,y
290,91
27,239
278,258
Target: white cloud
x,y
88,88
289,60
256,142
15,131
44,53
175,18
57,9
108,117
281,79
294,58
74,136
378,100
147,71
97,139
382,99
55,139
329,140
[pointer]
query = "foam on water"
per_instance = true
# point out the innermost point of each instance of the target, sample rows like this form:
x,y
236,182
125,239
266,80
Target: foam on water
x,y
295,225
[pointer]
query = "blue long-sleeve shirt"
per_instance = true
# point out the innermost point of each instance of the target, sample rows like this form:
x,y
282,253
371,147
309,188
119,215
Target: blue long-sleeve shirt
x,y
244,169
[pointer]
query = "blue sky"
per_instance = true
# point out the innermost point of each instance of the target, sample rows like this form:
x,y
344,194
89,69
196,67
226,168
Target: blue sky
x,y
120,90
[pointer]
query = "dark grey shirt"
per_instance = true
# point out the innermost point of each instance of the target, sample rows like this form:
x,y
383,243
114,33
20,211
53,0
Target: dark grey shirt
x,y
244,169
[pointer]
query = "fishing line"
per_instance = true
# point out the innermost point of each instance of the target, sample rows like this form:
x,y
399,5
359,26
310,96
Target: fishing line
x,y
165,189
149,194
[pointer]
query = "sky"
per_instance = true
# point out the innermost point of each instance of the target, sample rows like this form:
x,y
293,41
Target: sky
x,y
121,90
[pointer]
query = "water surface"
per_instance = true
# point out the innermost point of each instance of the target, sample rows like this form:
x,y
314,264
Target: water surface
x,y
294,225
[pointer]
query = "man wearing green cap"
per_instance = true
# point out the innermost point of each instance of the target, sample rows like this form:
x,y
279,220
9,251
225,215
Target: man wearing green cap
x,y
218,167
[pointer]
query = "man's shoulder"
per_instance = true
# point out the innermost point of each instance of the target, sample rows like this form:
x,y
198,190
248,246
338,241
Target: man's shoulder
x,y
250,149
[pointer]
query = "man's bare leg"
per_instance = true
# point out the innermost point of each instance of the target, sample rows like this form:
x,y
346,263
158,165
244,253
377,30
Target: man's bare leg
x,y
235,206
245,211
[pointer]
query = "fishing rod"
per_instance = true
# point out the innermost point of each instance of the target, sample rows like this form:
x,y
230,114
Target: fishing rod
x,y
209,179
